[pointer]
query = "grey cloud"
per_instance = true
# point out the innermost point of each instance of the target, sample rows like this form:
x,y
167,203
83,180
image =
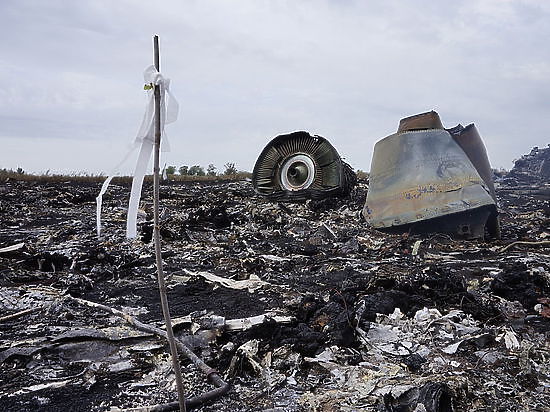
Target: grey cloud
x,y
246,71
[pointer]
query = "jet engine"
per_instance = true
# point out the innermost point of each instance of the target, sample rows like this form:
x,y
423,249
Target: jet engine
x,y
300,166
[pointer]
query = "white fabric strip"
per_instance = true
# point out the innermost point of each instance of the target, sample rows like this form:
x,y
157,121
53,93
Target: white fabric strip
x,y
104,187
99,201
145,138
146,135
137,183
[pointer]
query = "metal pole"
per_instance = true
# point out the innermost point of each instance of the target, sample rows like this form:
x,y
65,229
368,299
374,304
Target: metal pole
x,y
156,234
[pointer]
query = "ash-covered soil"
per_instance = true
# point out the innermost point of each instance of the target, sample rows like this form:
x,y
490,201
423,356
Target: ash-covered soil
x,y
357,319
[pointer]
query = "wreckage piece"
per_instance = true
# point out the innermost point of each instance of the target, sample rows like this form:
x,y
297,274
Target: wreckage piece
x,y
248,323
431,397
532,168
426,179
299,166
470,142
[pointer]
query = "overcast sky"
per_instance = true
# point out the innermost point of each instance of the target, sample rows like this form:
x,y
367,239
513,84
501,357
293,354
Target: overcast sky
x,y
71,76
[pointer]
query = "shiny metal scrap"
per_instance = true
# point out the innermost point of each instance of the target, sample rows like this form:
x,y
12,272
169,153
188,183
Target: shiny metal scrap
x,y
425,178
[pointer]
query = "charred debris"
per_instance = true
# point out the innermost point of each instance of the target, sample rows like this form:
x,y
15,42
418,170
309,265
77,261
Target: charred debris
x,y
301,305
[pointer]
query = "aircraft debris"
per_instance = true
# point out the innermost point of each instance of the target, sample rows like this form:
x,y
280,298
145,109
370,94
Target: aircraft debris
x,y
341,320
299,166
427,179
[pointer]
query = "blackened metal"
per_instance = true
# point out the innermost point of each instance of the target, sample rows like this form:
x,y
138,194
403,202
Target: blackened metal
x,y
531,169
470,224
469,140
222,387
299,166
433,396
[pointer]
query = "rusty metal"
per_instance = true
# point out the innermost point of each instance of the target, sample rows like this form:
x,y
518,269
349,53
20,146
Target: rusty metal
x,y
298,166
422,121
427,179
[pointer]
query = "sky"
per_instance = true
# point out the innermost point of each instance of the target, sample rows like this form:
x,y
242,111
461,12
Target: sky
x,y
243,72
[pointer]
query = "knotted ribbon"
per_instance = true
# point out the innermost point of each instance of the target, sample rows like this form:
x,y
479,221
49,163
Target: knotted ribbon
x,y
145,139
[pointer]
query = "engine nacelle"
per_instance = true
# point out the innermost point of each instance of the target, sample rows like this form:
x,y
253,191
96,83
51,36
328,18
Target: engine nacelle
x,y
298,166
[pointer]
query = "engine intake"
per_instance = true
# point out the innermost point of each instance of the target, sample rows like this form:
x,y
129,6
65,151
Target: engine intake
x,y
300,166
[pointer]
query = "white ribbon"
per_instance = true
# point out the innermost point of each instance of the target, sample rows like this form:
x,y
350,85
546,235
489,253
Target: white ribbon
x,y
146,139
104,187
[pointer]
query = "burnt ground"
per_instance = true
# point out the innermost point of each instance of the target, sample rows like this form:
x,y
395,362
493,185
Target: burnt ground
x,y
359,320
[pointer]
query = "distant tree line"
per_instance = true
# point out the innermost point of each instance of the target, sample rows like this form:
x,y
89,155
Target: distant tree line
x,y
197,170
19,171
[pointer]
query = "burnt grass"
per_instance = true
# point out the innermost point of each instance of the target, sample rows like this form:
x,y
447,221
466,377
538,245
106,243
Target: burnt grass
x,y
321,259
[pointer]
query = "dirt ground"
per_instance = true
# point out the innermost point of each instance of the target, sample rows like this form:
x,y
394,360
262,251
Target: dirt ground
x,y
356,319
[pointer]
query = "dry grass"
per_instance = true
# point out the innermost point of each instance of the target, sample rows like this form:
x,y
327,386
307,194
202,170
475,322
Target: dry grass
x,y
6,175
218,178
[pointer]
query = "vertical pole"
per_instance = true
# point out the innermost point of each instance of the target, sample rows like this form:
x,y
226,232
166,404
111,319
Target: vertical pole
x,y
156,234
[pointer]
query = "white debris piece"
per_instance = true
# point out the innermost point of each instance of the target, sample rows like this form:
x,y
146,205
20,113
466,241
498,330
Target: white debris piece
x,y
247,323
252,284
12,248
510,339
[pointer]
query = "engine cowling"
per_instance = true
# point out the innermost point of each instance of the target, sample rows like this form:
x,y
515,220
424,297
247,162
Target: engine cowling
x,y
298,166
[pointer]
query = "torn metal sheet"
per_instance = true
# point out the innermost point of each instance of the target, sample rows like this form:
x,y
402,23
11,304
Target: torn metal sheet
x,y
470,142
113,333
427,179
23,298
251,284
247,323
12,248
39,387
299,166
